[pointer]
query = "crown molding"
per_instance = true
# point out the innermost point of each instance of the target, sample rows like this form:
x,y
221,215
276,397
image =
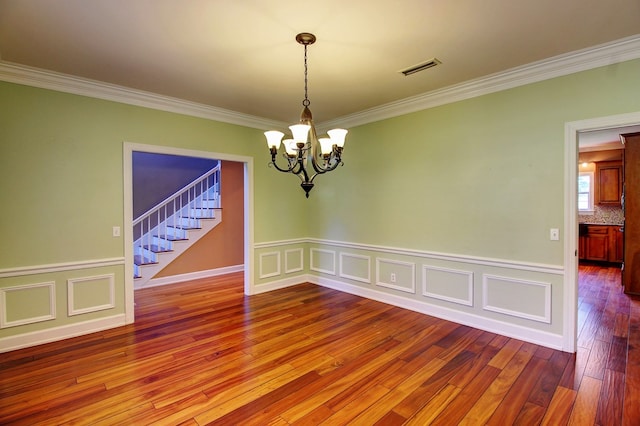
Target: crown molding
x,y
622,50
29,76
582,60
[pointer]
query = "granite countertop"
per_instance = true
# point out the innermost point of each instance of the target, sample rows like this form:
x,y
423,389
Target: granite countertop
x,y
603,215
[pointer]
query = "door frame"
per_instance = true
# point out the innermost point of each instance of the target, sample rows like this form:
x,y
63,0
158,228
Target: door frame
x,y
570,284
128,149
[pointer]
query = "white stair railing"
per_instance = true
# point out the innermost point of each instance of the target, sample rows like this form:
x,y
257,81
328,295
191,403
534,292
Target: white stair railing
x,y
169,220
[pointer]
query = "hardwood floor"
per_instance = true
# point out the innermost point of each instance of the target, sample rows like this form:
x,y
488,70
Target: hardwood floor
x,y
203,353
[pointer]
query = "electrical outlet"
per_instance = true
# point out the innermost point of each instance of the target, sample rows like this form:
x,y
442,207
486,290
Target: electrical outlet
x,y
116,231
554,234
393,277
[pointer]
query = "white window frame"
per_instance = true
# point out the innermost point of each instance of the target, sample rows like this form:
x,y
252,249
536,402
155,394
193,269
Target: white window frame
x,y
591,209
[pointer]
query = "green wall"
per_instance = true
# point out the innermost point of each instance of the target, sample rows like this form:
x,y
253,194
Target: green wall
x,y
61,173
481,177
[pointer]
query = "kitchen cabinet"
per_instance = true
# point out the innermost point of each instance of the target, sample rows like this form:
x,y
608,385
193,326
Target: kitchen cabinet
x,y
631,270
617,244
608,182
597,243
602,243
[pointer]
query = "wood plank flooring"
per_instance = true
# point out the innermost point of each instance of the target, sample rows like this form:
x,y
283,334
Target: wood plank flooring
x,y
203,353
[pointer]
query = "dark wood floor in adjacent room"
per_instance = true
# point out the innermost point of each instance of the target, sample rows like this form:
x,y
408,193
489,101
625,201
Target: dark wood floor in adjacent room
x,y
202,353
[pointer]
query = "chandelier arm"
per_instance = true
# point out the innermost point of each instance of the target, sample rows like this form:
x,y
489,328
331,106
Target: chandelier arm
x,y
318,168
337,161
280,169
289,169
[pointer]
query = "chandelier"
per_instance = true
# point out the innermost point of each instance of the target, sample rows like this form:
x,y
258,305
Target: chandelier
x,y
306,155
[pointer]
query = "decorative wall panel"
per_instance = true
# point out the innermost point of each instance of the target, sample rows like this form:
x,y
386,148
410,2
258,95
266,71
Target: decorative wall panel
x,y
293,260
28,303
355,267
448,284
269,264
90,294
323,261
396,274
517,297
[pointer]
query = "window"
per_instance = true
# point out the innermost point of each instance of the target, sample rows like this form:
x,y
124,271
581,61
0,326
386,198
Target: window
x,y
585,193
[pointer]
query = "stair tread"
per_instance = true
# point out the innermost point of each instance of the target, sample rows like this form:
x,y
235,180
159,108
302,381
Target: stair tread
x,y
187,227
157,249
171,238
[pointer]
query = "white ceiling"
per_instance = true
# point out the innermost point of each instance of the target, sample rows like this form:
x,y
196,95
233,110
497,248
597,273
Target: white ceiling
x,y
241,55
604,139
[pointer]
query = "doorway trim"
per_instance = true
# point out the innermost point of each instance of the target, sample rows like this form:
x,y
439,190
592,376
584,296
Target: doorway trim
x,y
127,152
570,284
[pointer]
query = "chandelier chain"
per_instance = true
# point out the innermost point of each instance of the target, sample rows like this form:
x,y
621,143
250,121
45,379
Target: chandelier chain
x,y
306,101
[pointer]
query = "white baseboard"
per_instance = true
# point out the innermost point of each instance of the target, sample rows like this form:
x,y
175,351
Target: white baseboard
x,y
542,338
25,340
288,282
154,282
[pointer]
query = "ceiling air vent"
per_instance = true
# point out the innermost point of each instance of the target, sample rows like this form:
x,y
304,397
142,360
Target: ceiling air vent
x,y
421,66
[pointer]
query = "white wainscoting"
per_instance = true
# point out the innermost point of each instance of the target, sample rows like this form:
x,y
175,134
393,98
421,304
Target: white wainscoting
x,y
54,334
538,337
511,298
20,294
90,287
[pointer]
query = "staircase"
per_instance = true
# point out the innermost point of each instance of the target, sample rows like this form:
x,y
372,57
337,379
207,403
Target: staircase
x,y
167,230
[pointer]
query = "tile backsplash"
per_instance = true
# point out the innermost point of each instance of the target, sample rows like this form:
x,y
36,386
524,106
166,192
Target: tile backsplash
x,y
609,215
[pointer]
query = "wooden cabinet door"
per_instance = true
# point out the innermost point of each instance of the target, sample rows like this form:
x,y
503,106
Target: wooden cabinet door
x,y
608,182
597,247
618,254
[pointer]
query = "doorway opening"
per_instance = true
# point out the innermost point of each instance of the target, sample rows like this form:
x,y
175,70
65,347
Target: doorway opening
x,y
128,152
573,133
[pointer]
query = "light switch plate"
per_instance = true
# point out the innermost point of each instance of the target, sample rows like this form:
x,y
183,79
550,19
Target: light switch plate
x,y
554,234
